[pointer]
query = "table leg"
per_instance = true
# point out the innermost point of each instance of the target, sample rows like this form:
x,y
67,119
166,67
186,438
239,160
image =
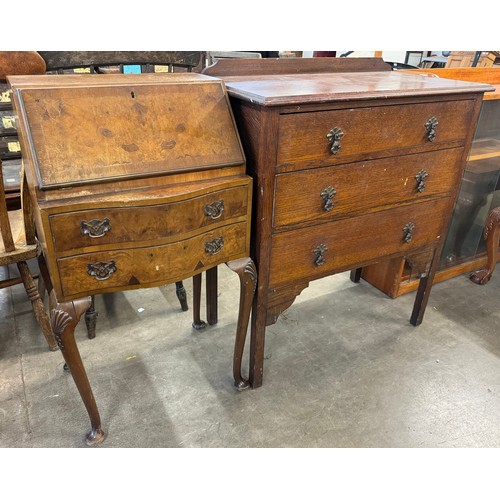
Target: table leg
x,y
356,274
211,276
424,290
64,317
198,323
245,268
181,295
91,319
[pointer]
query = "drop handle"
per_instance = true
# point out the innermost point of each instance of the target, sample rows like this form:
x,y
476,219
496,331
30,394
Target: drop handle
x,y
101,270
214,246
214,210
95,228
328,194
334,136
319,254
408,232
420,179
430,126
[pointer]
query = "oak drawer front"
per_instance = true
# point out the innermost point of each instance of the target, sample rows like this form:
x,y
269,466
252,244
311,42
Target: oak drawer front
x,y
341,245
329,193
340,134
151,266
147,223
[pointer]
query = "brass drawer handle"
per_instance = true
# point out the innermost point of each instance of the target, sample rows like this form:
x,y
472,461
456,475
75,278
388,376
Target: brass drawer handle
x,y
319,254
95,228
420,178
408,232
327,194
101,270
431,125
214,246
334,137
214,210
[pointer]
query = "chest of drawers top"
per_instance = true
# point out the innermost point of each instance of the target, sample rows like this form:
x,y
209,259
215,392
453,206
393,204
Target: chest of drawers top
x,y
87,129
314,88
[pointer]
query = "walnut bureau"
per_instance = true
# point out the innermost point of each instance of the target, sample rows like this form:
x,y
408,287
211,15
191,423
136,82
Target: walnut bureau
x,y
349,168
136,181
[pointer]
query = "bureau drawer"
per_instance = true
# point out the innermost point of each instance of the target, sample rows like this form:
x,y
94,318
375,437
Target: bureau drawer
x,y
346,133
151,266
334,192
316,251
146,223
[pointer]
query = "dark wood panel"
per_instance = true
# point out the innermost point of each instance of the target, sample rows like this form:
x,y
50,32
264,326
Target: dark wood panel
x,y
231,67
77,59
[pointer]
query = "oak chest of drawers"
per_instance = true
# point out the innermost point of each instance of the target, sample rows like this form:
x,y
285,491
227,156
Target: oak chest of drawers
x,y
349,168
136,181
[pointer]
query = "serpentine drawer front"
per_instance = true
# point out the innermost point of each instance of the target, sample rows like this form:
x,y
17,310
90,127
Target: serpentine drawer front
x,y
160,221
136,181
350,168
99,272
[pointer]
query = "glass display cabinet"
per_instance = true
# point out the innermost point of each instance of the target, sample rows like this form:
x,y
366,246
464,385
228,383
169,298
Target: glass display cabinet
x,y
464,249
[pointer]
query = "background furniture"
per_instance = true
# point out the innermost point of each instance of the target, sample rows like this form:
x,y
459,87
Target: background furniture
x,y
349,169
137,181
464,249
17,246
13,63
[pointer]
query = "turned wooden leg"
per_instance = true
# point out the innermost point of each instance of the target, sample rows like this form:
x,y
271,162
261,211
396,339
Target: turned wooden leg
x,y
356,274
37,304
491,234
248,282
211,285
181,295
91,319
198,324
424,290
64,317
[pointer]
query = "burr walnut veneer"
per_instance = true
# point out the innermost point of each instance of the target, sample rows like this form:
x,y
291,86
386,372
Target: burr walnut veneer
x,y
349,168
137,181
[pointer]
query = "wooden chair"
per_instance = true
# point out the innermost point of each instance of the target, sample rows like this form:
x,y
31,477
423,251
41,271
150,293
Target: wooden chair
x,y
18,245
17,242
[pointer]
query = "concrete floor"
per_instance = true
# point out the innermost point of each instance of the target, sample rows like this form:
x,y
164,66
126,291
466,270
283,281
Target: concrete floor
x,y
344,368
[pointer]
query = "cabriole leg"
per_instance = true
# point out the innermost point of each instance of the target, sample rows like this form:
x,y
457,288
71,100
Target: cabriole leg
x,y
64,317
245,268
491,235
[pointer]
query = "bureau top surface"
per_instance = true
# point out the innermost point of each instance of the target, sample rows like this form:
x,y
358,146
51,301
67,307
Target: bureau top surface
x,y
290,89
87,129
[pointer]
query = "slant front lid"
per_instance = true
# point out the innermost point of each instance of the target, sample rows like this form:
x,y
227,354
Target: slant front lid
x,y
109,127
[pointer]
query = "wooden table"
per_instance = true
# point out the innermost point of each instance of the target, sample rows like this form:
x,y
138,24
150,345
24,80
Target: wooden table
x,y
136,181
349,169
